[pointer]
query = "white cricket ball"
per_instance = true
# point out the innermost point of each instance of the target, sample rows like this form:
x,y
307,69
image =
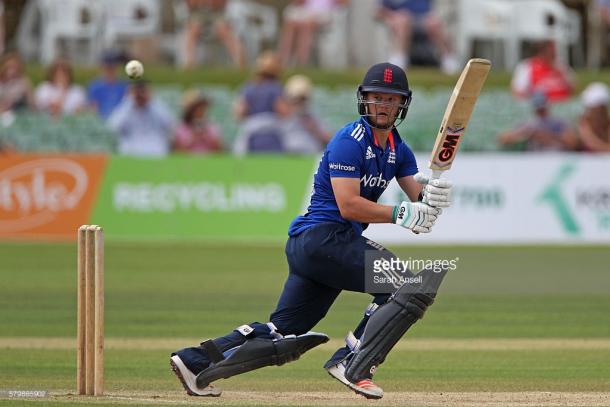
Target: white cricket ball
x,y
134,69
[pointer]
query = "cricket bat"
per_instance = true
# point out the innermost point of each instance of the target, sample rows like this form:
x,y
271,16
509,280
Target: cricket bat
x,y
457,115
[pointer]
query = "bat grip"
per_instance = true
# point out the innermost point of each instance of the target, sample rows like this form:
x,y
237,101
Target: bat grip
x,y
436,174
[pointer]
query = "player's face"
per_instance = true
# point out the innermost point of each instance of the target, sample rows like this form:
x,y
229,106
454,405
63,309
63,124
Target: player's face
x,y
383,108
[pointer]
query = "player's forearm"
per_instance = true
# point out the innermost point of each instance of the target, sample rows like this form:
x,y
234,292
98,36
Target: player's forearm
x,y
362,210
591,141
410,187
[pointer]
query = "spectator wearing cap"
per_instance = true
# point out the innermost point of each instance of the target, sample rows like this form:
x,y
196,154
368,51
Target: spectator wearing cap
x,y
544,73
196,134
303,131
144,124
543,132
58,94
106,92
265,93
260,106
594,122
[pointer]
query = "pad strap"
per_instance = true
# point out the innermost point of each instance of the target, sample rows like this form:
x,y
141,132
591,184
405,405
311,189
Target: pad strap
x,y
352,343
273,331
245,330
213,352
370,309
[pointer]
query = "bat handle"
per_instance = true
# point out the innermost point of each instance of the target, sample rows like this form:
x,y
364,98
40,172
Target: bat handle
x,y
436,174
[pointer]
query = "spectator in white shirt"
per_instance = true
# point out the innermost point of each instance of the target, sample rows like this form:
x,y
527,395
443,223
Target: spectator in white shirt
x,y
58,95
143,123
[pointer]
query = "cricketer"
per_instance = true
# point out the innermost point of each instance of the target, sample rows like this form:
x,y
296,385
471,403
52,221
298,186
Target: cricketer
x,y
326,253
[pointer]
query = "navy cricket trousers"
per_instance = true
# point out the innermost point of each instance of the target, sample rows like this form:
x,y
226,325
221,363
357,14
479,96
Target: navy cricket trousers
x,y
323,260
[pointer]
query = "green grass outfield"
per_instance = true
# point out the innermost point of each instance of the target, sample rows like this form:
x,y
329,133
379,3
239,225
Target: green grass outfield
x,y
511,326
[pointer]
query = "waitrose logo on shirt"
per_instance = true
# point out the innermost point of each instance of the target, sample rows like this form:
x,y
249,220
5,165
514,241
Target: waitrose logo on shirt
x,y
341,167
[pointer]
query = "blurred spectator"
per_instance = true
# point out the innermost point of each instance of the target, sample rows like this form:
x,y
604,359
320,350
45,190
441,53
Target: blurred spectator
x,y
402,17
303,132
196,134
599,19
58,94
543,73
6,148
207,15
543,132
301,20
259,106
2,39
143,123
265,93
603,8
594,123
106,92
15,87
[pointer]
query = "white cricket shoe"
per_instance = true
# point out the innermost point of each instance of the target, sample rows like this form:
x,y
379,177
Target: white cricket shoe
x,y
189,380
364,387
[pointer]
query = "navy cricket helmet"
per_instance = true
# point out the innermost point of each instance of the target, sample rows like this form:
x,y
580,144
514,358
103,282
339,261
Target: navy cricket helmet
x,y
384,78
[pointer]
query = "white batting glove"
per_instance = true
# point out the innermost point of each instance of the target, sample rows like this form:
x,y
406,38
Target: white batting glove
x,y
436,192
417,216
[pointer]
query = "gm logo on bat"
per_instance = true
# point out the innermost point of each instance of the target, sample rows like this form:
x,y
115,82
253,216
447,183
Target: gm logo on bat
x,y
450,143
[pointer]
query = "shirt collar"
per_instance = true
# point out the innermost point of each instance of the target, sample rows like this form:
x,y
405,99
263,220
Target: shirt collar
x,y
390,140
373,138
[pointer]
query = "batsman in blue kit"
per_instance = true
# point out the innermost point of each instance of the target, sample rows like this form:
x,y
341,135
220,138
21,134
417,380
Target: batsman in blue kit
x,y
326,253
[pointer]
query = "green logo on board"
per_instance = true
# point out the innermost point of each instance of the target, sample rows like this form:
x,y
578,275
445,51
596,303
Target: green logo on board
x,y
553,196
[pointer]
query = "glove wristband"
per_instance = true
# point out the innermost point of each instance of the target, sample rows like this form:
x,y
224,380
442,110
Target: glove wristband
x,y
395,213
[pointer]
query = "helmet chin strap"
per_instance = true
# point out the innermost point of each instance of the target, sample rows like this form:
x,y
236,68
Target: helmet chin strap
x,y
378,127
369,119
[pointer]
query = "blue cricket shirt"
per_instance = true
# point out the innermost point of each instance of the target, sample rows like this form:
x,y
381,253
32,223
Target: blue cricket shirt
x,y
354,153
